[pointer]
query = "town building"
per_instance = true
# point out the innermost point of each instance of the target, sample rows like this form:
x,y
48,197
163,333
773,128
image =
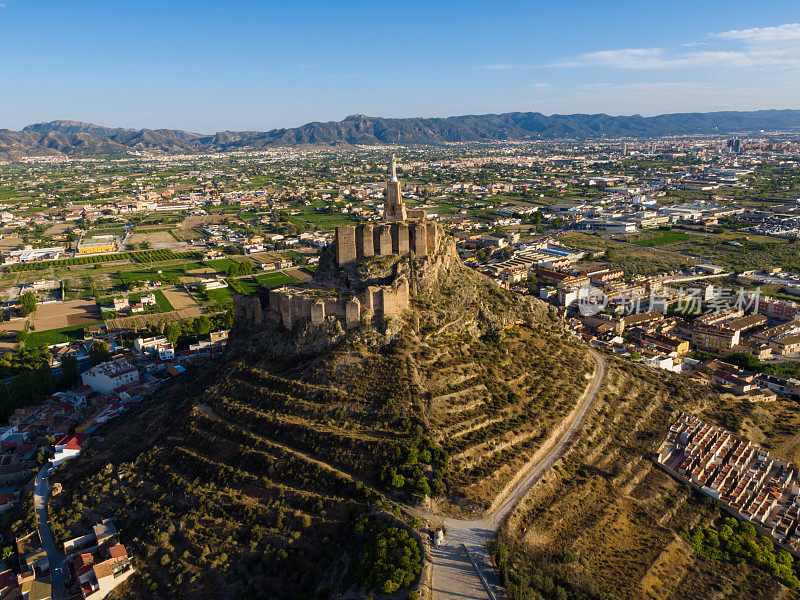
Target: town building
x,y
110,376
97,244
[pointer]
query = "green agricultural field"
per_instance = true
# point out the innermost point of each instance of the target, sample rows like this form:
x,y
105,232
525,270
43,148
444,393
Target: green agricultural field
x,y
274,279
56,336
138,276
222,298
741,251
219,264
322,221
162,302
243,285
662,238
178,270
634,260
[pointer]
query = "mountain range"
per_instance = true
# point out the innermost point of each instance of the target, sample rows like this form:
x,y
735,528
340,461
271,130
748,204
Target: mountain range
x,y
74,138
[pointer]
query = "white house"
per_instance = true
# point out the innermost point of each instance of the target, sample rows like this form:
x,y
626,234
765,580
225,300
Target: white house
x,y
166,352
109,376
148,299
148,344
68,447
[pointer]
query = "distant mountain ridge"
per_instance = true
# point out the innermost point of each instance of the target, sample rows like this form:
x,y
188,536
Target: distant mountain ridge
x,y
75,138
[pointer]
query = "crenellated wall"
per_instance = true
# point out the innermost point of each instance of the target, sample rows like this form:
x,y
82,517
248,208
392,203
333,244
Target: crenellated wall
x,y
292,305
314,304
353,242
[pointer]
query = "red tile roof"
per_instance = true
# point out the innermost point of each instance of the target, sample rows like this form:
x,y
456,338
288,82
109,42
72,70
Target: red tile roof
x,y
74,441
82,563
117,551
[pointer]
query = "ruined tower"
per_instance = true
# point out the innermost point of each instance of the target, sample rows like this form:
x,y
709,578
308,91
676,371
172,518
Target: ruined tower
x,y
394,209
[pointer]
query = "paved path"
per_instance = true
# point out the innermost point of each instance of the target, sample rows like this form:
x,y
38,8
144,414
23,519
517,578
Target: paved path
x,y
454,577
55,558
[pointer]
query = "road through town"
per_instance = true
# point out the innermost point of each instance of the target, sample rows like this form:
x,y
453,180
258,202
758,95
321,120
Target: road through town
x,y
54,557
454,577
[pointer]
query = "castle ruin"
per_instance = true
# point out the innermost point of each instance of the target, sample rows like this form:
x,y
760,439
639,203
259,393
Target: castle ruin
x,y
402,232
354,242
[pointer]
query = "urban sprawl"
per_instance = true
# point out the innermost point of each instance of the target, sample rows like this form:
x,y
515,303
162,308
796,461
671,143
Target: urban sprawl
x,y
119,275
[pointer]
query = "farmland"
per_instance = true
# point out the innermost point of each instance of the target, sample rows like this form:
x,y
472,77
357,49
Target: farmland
x,y
162,302
661,239
146,320
322,221
178,298
55,336
220,299
631,259
274,279
65,314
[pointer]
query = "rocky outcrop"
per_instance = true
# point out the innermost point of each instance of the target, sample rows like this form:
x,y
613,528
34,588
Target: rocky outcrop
x,y
373,297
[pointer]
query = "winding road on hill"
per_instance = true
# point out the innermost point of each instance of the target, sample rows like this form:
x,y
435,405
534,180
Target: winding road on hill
x,y
462,568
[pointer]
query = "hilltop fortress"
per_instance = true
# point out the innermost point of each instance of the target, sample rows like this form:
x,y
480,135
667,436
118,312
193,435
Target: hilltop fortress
x,y
369,272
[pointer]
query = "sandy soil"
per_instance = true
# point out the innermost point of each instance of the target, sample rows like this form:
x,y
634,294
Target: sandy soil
x,y
157,237
179,299
10,243
298,274
65,314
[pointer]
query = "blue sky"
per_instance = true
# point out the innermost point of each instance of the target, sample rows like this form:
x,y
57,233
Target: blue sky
x,y
246,64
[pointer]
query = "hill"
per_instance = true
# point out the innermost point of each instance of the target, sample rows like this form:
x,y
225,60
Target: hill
x,y
76,138
281,474
607,524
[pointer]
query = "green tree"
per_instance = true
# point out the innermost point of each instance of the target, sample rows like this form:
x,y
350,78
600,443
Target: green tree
x,y
27,303
69,371
22,337
99,352
202,325
172,332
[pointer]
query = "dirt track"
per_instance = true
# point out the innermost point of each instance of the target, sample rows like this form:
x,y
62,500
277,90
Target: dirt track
x,y
453,574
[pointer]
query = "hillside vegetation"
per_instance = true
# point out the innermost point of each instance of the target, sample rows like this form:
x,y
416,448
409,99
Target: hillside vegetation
x,y
282,474
218,498
607,523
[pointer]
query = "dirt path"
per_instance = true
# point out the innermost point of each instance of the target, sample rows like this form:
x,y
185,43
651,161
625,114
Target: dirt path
x,y
453,574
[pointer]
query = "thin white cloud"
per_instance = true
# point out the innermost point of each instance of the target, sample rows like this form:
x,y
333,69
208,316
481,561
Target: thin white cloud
x,y
765,47
763,35
540,85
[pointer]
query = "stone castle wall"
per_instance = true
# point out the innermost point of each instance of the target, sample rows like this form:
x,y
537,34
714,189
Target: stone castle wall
x,y
290,306
353,242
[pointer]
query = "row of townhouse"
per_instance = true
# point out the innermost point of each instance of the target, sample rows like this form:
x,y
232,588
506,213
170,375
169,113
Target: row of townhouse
x,y
758,487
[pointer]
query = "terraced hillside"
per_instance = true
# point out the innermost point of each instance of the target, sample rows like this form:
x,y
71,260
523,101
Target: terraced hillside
x,y
490,402
280,475
214,509
606,523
